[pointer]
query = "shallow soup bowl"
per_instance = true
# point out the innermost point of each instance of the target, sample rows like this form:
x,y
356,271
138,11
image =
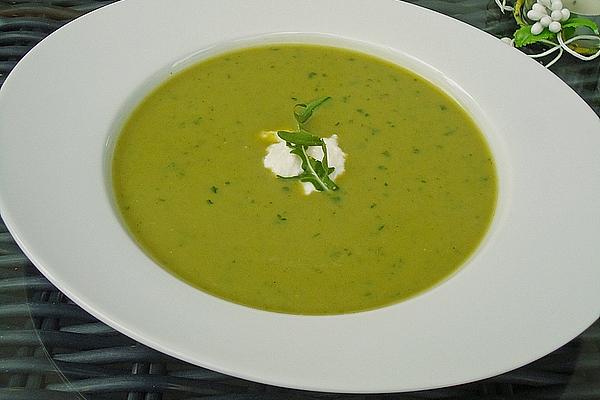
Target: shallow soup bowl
x,y
531,286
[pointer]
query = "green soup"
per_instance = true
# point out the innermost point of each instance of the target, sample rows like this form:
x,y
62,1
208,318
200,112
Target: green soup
x,y
415,201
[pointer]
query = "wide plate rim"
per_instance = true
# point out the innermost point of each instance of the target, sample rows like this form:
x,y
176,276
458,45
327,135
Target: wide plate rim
x,y
307,382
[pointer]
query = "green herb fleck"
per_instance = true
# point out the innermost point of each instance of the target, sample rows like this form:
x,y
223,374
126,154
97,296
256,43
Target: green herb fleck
x,y
214,189
209,202
450,132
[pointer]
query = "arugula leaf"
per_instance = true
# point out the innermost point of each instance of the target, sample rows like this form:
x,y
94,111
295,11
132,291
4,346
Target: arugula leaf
x,y
578,22
323,173
324,161
300,137
313,171
524,37
303,111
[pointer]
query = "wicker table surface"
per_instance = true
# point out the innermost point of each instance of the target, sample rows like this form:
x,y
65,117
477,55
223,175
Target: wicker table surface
x,y
51,349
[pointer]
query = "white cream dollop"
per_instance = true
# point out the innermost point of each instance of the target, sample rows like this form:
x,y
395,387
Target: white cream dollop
x,y
283,163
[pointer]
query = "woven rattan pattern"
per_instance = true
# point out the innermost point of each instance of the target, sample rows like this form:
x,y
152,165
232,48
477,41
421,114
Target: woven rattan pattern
x,y
50,349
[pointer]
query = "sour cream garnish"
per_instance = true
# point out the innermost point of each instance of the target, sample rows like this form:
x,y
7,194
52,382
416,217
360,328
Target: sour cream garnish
x,y
282,163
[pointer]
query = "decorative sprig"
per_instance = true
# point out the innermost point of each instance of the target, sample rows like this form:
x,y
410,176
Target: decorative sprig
x,y
314,171
548,23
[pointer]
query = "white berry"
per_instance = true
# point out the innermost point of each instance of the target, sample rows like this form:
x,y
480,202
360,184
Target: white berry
x,y
548,14
557,5
537,28
556,15
545,21
540,9
554,27
534,15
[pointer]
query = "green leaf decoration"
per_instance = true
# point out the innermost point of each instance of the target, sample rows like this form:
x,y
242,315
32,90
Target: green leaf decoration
x,y
300,137
323,174
313,171
579,22
303,111
567,32
324,161
524,37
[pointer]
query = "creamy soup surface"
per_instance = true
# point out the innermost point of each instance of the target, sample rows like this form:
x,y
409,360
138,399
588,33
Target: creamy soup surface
x,y
416,198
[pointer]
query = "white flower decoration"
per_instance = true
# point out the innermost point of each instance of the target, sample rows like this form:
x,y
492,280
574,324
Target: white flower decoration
x,y
548,14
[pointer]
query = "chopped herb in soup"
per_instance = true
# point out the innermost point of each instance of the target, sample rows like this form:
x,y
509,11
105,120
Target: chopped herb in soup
x,y
415,199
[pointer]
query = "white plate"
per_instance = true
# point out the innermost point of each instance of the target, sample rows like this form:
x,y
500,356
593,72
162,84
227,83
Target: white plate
x,y
533,286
